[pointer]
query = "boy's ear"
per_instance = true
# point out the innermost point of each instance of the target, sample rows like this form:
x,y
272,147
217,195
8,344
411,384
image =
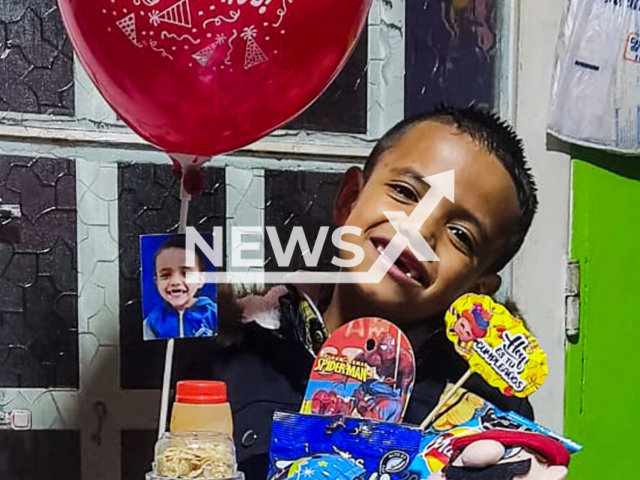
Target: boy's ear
x,y
488,284
350,188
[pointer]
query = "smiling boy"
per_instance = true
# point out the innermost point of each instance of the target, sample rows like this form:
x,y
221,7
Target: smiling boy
x,y
182,313
474,238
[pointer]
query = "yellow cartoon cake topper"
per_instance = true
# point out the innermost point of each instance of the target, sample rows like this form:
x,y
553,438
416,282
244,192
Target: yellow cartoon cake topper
x,y
497,345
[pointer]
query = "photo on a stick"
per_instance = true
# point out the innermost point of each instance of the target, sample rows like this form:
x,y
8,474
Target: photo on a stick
x,y
177,302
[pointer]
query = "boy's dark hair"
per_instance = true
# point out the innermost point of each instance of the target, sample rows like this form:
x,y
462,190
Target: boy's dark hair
x,y
180,242
498,138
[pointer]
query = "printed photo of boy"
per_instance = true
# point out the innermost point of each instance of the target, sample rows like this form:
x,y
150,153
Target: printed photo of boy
x,y
174,307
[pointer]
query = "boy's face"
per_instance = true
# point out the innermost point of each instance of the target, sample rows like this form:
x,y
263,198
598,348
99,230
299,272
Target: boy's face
x,y
467,236
171,278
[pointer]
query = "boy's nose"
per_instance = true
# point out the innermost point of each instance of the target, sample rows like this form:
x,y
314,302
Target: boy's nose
x,y
428,231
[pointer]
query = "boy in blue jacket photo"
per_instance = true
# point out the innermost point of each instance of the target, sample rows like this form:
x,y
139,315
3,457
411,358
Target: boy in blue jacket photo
x,y
182,312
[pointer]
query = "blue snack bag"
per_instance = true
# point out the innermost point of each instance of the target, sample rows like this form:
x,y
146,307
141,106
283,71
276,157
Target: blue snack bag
x,y
468,414
313,447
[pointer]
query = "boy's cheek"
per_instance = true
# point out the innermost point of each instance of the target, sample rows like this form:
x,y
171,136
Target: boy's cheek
x,y
369,210
353,238
202,279
362,243
455,271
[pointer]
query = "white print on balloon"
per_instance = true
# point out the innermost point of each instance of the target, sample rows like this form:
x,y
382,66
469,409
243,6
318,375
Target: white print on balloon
x,y
177,14
204,55
254,54
197,45
153,44
262,4
233,37
164,35
148,3
233,16
282,12
128,27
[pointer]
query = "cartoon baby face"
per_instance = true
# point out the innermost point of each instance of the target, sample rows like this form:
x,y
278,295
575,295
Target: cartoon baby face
x,y
463,329
472,324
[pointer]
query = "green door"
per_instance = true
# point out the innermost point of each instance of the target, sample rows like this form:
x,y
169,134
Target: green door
x,y
603,362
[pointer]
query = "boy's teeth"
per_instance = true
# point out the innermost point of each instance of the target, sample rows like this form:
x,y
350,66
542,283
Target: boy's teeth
x,y
380,249
408,274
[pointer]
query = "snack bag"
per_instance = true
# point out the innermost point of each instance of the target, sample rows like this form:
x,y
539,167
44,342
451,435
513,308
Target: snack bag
x,y
313,447
366,369
467,414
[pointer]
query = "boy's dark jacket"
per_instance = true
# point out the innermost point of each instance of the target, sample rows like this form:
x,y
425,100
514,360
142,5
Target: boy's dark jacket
x,y
267,370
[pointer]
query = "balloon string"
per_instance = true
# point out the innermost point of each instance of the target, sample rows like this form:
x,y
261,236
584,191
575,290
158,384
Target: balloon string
x,y
168,358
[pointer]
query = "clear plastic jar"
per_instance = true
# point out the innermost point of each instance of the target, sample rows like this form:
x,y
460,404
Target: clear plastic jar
x,y
198,455
155,476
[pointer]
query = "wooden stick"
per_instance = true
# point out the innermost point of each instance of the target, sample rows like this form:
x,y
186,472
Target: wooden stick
x,y
431,417
166,387
184,210
168,357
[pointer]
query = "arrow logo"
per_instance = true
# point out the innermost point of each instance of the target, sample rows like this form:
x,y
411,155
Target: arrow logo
x,y
407,235
408,228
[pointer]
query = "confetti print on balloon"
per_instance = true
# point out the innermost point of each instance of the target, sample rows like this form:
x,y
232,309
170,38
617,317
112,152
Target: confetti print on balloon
x,y
165,35
227,60
154,46
203,56
184,30
282,12
233,16
260,4
263,8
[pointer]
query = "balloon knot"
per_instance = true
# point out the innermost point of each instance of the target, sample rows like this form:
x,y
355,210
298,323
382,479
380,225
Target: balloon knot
x,y
193,180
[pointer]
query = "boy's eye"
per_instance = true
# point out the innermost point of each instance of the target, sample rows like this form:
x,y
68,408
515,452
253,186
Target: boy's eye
x,y
463,238
405,191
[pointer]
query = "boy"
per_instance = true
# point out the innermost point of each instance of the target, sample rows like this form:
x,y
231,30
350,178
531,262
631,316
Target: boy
x,y
474,238
182,314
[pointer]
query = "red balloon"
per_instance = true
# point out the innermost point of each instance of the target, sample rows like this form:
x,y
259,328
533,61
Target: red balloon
x,y
203,77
